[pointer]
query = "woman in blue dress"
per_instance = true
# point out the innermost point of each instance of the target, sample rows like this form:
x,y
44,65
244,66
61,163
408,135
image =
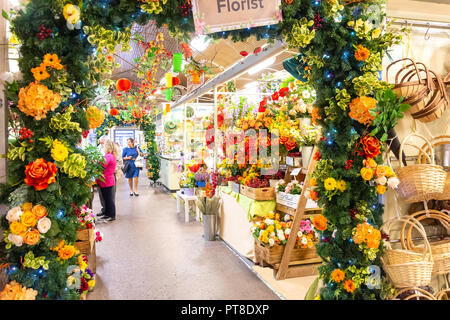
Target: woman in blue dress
x,y
132,174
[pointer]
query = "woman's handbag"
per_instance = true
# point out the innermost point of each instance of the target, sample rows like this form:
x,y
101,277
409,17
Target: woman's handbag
x,y
125,166
139,163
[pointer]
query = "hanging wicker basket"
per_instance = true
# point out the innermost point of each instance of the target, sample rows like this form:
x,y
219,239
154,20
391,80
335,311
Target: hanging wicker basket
x,y
439,249
418,294
420,182
436,142
443,295
407,268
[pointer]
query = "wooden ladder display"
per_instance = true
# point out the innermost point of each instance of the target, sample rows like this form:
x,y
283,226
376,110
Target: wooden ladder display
x,y
293,269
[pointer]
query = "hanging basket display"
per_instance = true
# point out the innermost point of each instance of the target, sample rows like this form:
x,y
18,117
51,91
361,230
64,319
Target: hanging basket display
x,y
123,85
170,127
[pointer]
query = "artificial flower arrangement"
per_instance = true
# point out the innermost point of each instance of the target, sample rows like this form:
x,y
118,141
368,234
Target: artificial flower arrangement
x,y
309,136
293,187
381,175
28,223
65,251
187,180
274,230
15,291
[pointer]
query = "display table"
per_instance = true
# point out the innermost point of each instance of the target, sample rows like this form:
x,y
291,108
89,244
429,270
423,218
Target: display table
x,y
186,200
169,175
236,219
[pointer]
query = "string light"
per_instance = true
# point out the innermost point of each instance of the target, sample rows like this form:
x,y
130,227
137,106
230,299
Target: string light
x,y
60,213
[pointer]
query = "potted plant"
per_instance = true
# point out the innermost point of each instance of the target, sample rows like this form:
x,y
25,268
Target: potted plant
x,y
209,206
187,184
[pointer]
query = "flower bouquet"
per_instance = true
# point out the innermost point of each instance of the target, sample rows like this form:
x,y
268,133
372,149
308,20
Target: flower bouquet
x,y
273,232
187,184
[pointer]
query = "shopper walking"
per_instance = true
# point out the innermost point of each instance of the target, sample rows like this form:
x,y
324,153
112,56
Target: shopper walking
x,y
106,186
130,154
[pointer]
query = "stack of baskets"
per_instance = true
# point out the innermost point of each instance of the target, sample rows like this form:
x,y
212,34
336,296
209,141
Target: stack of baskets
x,y
422,88
407,268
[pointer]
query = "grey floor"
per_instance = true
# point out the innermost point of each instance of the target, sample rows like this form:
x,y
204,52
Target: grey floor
x,y
150,253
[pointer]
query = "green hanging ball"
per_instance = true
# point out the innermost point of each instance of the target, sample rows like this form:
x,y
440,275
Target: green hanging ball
x,y
177,61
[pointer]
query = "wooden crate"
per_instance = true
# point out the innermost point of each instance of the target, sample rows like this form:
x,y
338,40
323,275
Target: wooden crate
x,y
85,241
259,194
272,255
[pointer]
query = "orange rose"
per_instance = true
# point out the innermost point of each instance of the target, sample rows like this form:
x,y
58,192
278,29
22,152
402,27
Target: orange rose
x,y
31,237
66,252
28,219
27,206
18,228
380,171
39,211
359,109
40,174
370,163
320,222
371,147
366,173
381,189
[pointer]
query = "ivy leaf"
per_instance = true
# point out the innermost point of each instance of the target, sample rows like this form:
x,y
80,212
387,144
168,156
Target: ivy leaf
x,y
5,15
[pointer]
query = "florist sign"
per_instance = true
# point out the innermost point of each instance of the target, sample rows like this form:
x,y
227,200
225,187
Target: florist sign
x,y
222,15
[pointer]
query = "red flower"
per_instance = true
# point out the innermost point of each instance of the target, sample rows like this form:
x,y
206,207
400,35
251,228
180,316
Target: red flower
x,y
84,285
262,105
275,96
40,174
370,147
348,164
284,92
243,53
123,85
220,118
114,112
317,156
85,134
257,50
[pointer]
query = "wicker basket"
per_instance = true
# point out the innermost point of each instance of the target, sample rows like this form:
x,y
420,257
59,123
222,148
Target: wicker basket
x,y
418,293
435,142
420,182
443,295
407,268
439,249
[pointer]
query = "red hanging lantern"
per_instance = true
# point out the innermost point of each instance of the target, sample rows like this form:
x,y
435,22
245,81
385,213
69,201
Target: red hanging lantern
x,y
220,118
123,85
257,50
175,81
243,53
114,112
284,92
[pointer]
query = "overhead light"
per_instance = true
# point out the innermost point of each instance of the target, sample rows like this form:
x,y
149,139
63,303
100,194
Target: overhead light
x,y
200,42
262,65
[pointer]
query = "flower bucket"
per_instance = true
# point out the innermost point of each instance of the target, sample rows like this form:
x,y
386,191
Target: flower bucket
x,y
201,184
209,227
188,191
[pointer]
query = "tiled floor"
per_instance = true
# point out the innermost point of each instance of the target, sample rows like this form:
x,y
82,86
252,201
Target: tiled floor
x,y
150,253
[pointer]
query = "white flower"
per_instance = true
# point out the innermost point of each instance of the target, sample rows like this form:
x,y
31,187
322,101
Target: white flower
x,y
393,182
306,94
271,242
334,233
313,93
280,235
304,240
272,234
299,234
303,108
287,217
16,239
381,181
287,231
269,221
44,225
14,214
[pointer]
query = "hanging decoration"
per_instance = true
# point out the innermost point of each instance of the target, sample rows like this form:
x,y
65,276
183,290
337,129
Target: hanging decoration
x,y
177,61
123,85
168,80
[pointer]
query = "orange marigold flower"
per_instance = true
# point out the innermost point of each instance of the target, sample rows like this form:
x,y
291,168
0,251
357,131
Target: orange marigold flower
x,y
52,61
36,100
359,109
362,53
320,222
338,275
40,73
315,115
349,286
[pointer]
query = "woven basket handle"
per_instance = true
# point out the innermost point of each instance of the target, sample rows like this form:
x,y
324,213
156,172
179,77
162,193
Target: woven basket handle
x,y
420,149
419,293
395,62
411,73
414,223
422,215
